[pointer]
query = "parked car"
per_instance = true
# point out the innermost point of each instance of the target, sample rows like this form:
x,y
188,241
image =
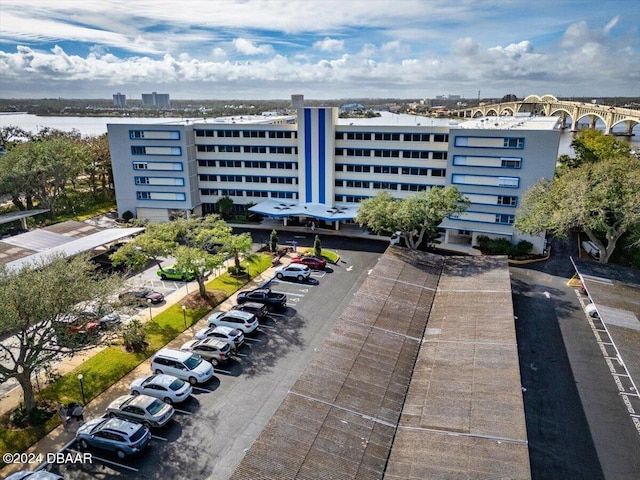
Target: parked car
x,y
114,434
214,350
258,309
294,270
34,475
167,388
311,261
184,365
245,321
233,336
273,301
140,296
149,411
173,273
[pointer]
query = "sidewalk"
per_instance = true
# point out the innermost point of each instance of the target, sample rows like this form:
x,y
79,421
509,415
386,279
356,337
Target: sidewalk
x,y
61,436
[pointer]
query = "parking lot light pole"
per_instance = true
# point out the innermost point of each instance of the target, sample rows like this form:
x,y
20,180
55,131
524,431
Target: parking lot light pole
x,y
80,377
184,314
150,312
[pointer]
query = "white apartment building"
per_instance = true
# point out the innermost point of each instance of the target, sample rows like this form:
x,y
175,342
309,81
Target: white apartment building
x,y
316,166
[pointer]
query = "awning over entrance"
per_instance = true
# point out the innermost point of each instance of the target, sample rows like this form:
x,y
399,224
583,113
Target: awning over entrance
x,y
281,209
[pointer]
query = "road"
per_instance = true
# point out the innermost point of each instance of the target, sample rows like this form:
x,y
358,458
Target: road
x,y
577,425
219,423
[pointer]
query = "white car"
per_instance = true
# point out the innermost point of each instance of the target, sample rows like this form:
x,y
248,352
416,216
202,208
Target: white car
x,y
591,310
294,270
233,336
211,349
245,321
167,388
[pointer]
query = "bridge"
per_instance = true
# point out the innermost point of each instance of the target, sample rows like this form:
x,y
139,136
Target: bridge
x,y
549,105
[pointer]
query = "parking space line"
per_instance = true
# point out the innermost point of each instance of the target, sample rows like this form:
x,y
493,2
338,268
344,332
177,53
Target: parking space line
x,y
269,327
184,412
224,372
160,438
203,389
288,293
104,460
242,355
251,340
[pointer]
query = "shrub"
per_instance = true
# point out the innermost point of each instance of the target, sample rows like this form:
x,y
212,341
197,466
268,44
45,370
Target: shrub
x,y
317,246
134,336
521,249
127,216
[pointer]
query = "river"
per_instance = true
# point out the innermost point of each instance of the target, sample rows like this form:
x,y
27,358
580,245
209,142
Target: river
x,y
98,126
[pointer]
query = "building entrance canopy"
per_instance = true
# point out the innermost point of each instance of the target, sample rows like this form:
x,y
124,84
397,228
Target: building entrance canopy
x,y
283,209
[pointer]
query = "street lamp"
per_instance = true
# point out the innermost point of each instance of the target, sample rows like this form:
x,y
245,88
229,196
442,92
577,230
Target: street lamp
x,y
80,377
184,314
150,312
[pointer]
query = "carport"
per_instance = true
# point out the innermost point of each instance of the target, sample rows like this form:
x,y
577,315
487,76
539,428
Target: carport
x,y
315,211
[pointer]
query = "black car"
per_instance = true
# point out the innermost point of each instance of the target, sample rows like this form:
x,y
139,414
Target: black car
x,y
141,296
272,300
258,309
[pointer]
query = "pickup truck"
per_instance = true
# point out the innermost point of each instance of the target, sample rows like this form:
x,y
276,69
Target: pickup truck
x,y
273,301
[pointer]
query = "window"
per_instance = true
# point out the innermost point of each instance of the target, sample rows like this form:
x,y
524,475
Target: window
x,y
441,137
505,219
139,150
154,134
385,186
416,137
507,200
508,182
387,136
282,165
206,163
439,155
339,167
140,165
231,178
206,148
253,134
255,164
282,150
228,133
438,172
510,162
412,187
254,149
514,142
229,148
207,178
385,169
230,163
414,171
338,183
287,180
143,195
208,191
281,134
358,168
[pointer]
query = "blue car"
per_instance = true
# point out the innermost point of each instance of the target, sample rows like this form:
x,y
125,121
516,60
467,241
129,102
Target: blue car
x,y
114,434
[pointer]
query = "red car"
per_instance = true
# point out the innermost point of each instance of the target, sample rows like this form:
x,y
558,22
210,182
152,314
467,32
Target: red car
x,y
311,261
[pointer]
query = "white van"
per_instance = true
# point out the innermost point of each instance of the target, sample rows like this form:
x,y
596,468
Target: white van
x,y
187,366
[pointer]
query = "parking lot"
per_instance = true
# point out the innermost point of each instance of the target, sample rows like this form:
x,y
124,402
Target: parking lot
x,y
212,429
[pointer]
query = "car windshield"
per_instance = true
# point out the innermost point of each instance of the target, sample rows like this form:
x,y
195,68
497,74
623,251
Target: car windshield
x,y
193,361
155,407
234,332
176,384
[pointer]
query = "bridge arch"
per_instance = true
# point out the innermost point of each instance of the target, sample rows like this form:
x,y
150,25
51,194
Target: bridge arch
x,y
548,98
507,111
532,99
491,113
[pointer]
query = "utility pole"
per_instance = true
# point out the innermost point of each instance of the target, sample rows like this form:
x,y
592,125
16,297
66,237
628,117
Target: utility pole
x,y
478,97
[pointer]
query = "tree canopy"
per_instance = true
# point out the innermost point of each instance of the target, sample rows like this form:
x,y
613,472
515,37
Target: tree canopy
x,y
592,145
37,303
416,217
198,244
602,198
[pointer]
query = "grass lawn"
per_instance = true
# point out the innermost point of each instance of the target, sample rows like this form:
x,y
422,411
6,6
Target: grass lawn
x,y
330,256
111,364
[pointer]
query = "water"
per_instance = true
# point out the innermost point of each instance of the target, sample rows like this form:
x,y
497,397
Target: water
x,y
92,126
98,126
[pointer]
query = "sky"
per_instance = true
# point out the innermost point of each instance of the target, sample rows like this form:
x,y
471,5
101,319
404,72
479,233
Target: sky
x,y
323,49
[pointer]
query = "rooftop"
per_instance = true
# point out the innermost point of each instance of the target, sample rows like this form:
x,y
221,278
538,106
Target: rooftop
x,y
511,123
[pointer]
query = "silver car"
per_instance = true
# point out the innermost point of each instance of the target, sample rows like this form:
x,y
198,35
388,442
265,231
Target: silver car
x,y
167,388
245,321
211,349
144,409
233,336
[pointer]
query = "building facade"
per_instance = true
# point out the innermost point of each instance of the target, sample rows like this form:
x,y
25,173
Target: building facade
x,y
316,166
156,100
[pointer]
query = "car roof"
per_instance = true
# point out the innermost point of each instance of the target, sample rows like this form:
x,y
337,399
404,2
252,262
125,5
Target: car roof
x,y
213,342
142,401
238,314
172,354
161,379
121,425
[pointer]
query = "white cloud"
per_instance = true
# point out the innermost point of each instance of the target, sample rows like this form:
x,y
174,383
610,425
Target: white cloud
x,y
247,47
329,45
612,23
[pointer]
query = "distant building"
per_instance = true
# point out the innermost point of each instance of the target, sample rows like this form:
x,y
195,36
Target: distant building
x,y
156,100
119,100
297,101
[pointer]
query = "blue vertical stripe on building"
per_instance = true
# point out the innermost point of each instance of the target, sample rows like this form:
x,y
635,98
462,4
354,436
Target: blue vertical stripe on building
x,y
321,154
307,154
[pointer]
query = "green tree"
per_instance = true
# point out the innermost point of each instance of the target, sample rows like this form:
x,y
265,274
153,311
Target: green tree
x,y
592,145
416,217
273,241
236,245
317,246
42,168
36,303
225,207
98,167
601,198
